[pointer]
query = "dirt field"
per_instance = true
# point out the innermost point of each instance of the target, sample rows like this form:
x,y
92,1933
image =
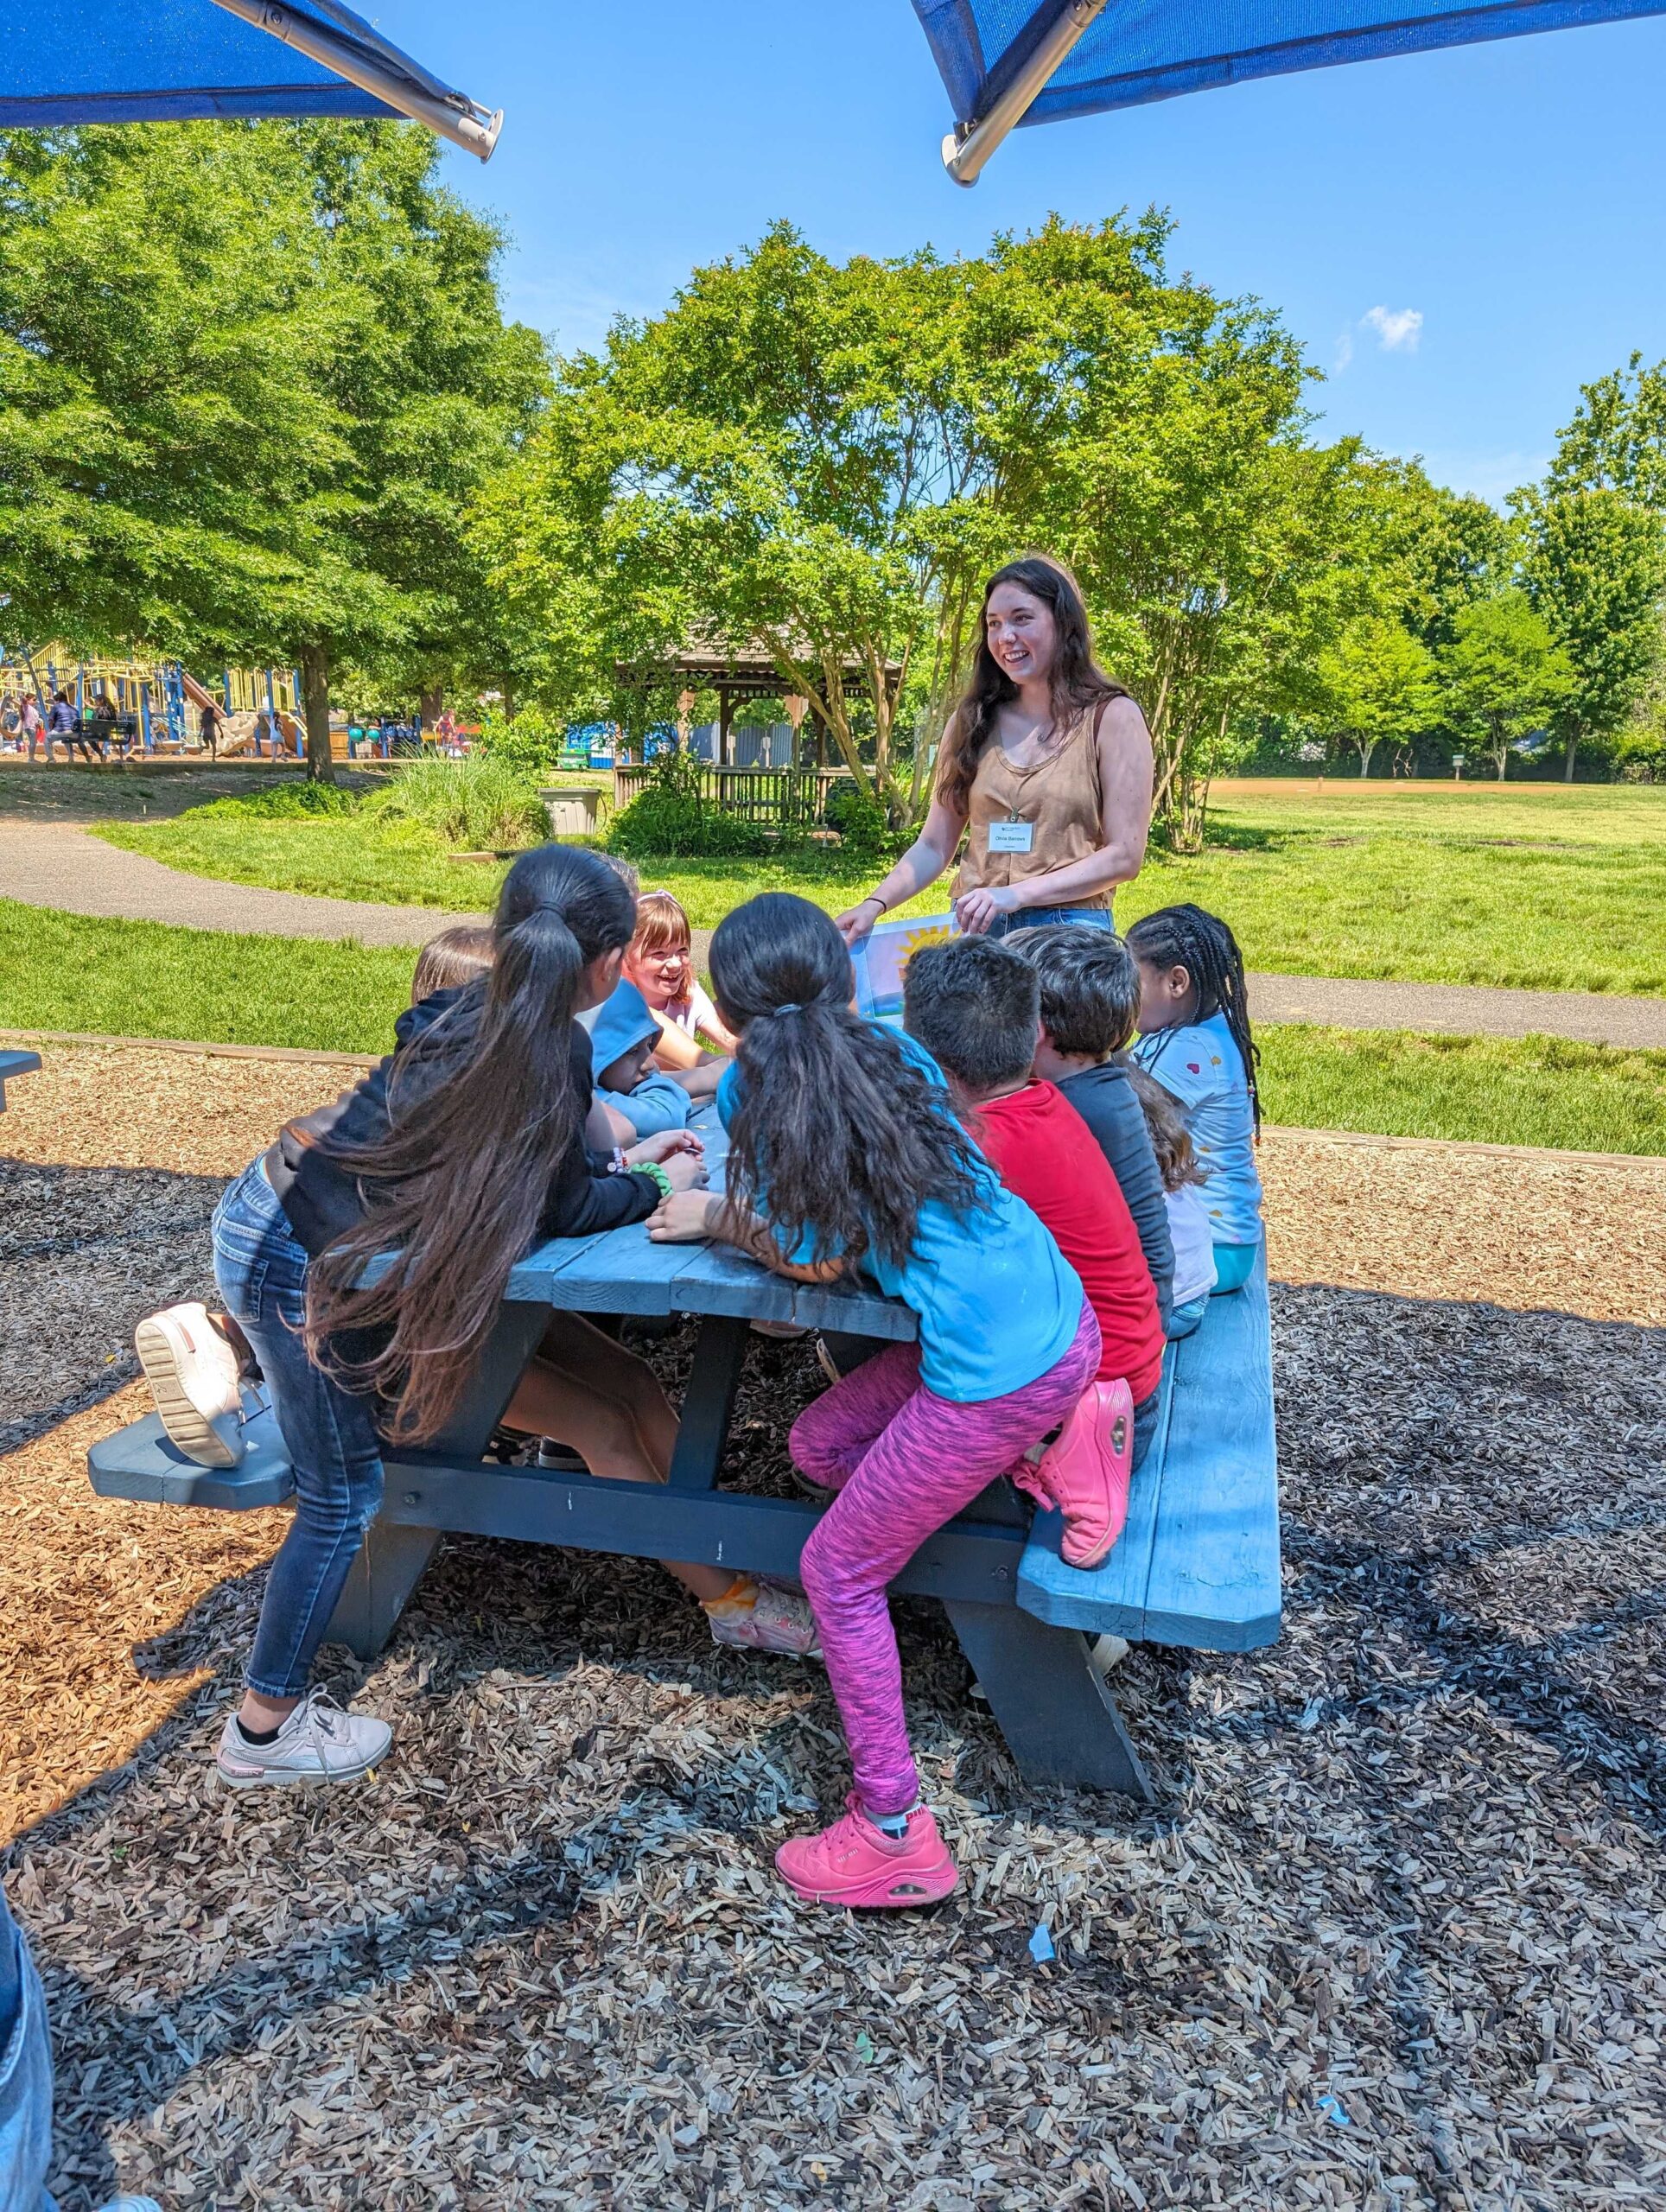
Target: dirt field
x,y
1396,1935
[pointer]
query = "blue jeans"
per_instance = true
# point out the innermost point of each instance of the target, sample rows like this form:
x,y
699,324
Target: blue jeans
x,y
25,2075
328,1433
1042,917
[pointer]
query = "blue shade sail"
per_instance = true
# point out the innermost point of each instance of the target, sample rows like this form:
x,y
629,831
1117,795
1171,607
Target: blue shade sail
x,y
79,62
1142,50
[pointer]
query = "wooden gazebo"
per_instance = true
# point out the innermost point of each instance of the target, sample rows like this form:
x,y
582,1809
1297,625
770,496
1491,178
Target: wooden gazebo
x,y
737,674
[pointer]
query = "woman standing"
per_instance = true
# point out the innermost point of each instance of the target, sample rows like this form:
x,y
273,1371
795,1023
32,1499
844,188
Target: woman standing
x,y
1046,761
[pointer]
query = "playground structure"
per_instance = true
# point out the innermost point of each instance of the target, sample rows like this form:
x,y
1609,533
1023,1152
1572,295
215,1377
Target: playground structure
x,y
159,703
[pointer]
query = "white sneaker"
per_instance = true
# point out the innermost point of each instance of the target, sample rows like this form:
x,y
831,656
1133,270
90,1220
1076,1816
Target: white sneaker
x,y
192,1371
319,1742
765,1618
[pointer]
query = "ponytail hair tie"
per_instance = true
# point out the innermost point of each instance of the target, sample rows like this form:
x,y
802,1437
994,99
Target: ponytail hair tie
x,y
789,1005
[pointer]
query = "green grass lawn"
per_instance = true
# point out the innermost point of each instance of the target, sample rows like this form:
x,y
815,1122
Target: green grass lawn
x,y
143,979
1531,886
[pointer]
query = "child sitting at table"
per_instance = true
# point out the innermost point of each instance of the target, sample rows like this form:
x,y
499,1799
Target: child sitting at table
x,y
1090,997
1195,1039
974,1005
846,1156
660,963
1184,1184
433,1164
452,957
630,1081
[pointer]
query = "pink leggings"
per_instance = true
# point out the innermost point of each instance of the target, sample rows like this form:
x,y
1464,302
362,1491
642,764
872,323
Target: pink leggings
x,y
903,1461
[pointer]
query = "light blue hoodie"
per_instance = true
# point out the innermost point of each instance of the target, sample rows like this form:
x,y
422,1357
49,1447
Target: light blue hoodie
x,y
623,1022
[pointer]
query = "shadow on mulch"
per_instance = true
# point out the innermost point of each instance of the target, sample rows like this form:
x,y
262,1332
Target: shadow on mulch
x,y
85,1254
1390,1938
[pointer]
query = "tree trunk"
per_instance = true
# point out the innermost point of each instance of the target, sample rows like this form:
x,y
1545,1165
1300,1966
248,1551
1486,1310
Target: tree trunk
x,y
431,705
315,709
1573,750
1367,747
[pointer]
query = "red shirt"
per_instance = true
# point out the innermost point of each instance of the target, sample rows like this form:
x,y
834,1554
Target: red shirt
x,y
1046,1153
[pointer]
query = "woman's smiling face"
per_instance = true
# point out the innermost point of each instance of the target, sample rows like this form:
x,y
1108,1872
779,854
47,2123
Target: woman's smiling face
x,y
1021,634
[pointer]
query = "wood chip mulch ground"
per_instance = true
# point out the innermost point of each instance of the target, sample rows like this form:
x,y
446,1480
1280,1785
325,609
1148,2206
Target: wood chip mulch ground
x,y
1396,1935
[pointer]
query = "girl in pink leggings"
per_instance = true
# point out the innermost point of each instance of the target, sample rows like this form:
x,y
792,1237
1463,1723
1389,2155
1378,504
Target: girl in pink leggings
x,y
846,1159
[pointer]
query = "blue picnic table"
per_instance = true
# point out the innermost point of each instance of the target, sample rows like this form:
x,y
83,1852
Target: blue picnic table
x,y
13,1062
1198,1564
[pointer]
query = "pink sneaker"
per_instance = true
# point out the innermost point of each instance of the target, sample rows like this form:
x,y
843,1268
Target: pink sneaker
x,y
856,1864
1085,1472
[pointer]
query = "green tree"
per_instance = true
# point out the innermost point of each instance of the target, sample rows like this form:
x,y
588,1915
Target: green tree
x,y
251,377
830,459
1596,571
1617,440
156,399
1504,674
1380,683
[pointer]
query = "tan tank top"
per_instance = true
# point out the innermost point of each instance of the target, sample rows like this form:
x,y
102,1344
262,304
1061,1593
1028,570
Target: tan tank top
x,y
1061,800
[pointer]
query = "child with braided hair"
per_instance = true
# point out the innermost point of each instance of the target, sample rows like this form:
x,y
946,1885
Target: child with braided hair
x,y
1195,1039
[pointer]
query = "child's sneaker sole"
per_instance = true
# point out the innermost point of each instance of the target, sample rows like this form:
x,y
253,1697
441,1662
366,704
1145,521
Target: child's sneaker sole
x,y
164,1349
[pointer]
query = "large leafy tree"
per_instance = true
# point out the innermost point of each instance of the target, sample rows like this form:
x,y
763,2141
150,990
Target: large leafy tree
x,y
1504,677
830,459
1380,685
1596,570
250,377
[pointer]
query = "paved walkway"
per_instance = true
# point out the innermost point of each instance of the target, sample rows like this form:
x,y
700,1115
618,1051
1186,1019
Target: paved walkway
x,y
58,864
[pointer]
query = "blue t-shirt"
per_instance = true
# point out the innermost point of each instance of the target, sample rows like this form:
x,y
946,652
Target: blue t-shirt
x,y
1201,1065
997,1302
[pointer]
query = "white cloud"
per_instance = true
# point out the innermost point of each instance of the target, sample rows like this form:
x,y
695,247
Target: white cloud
x,y
1398,329
1344,352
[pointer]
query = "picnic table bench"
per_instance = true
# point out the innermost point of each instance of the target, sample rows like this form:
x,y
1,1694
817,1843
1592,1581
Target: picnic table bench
x,y
1198,1564
14,1062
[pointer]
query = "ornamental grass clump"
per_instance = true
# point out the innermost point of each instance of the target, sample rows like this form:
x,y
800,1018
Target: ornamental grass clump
x,y
474,804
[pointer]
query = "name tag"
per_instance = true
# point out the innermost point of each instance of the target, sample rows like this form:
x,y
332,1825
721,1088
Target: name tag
x,y
1011,836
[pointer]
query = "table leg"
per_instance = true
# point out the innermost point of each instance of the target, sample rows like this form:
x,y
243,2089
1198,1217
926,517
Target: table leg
x,y
393,1555
1059,1720
719,1354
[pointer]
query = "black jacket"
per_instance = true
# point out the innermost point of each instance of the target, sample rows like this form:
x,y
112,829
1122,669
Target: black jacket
x,y
323,1203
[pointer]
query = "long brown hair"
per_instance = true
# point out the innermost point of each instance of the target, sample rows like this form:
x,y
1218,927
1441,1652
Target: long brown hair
x,y
837,1137
453,1191
1075,680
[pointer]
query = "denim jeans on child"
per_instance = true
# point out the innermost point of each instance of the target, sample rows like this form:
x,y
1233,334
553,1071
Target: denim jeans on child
x,y
1043,917
25,2077
329,1435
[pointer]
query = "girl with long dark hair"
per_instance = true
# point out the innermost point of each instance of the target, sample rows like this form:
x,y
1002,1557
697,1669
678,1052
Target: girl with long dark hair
x,y
442,1167
846,1159
1045,770
1195,1039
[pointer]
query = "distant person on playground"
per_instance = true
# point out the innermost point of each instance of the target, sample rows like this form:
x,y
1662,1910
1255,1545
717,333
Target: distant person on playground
x,y
1195,1039
660,963
1044,771
35,727
208,728
1090,1003
846,1159
107,729
1184,1185
63,721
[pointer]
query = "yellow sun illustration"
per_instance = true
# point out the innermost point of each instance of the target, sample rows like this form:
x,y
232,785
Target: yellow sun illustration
x,y
916,939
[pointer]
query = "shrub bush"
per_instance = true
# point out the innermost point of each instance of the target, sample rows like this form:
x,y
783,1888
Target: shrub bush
x,y
285,801
669,819
862,825
477,804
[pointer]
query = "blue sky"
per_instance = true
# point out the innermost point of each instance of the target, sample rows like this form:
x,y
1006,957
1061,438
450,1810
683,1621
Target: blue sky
x,y
1460,239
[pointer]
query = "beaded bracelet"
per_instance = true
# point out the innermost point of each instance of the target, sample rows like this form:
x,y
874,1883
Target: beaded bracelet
x,y
657,1174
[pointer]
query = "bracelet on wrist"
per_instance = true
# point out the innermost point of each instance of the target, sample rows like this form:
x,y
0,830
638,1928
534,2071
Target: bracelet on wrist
x,y
656,1174
874,899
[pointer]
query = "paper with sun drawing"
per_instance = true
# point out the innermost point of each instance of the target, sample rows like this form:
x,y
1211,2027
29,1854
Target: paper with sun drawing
x,y
880,960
